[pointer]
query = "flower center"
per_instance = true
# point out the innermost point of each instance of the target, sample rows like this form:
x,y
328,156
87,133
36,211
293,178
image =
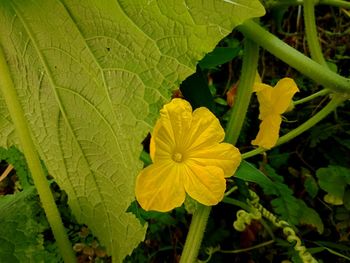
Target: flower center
x,y
177,157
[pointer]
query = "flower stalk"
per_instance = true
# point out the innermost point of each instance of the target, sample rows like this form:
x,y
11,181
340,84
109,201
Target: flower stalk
x,y
322,92
245,87
21,126
195,234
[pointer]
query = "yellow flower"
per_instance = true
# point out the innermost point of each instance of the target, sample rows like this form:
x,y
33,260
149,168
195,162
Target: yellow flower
x,y
188,157
273,102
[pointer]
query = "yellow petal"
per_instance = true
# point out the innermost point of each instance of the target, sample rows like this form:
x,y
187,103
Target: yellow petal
x,y
162,142
223,155
160,187
204,184
268,132
171,128
265,96
283,93
257,78
258,86
205,130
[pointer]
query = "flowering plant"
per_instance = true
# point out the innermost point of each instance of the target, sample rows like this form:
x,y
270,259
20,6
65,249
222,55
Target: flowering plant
x,y
81,86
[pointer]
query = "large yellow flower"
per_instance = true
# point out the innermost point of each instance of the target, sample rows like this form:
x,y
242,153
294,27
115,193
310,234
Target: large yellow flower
x,y
188,157
272,103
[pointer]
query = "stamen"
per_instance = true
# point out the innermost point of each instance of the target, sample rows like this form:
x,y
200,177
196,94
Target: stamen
x,y
177,157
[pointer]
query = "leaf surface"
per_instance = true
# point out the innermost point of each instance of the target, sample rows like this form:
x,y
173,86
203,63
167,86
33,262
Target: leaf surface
x,y
334,179
91,77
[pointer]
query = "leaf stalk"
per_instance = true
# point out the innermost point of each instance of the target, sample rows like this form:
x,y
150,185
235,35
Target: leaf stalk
x,y
34,164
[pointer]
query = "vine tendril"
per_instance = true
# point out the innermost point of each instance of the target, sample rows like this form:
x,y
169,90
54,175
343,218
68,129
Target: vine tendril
x,y
257,211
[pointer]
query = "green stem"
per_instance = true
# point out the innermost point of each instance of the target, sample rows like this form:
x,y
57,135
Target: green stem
x,y
294,58
244,92
27,145
311,32
200,217
248,248
195,234
338,3
331,106
286,3
312,96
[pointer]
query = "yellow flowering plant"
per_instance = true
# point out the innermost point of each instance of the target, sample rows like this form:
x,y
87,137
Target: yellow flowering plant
x,y
79,84
273,102
188,157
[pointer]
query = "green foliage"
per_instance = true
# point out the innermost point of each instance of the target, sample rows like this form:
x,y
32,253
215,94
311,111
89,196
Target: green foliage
x,y
247,172
14,157
219,56
291,209
21,232
310,183
91,78
193,86
322,132
334,180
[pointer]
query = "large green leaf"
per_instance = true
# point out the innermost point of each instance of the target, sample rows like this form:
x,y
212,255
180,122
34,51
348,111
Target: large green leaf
x,y
91,77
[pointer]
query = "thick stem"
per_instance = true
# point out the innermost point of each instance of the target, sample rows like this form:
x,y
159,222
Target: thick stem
x,y
338,3
286,3
331,106
39,178
311,32
244,91
200,217
294,58
195,234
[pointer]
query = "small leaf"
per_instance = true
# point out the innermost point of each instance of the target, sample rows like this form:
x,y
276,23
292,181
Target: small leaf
x,y
333,180
219,56
310,183
249,173
346,199
21,231
311,186
309,216
195,89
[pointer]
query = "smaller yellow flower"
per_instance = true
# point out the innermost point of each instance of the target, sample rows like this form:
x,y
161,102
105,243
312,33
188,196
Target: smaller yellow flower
x,y
273,102
188,157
